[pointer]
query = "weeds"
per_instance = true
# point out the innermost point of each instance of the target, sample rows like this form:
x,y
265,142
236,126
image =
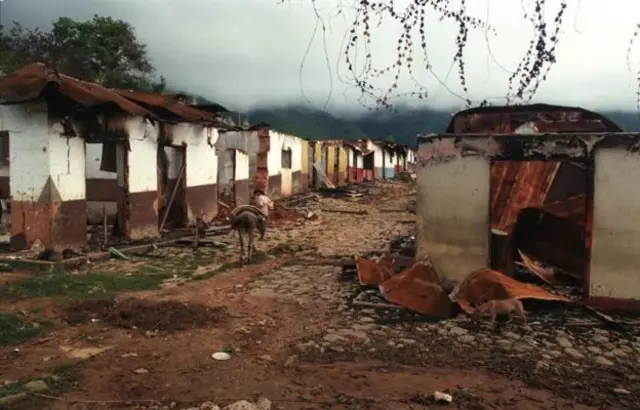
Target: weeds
x,y
14,330
86,286
61,378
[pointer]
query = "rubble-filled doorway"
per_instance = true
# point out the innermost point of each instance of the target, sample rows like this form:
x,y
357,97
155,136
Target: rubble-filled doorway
x,y
540,213
172,186
106,190
324,159
354,168
313,173
5,190
368,165
226,178
336,166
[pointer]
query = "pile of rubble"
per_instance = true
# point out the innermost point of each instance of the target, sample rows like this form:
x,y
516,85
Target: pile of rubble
x,y
395,282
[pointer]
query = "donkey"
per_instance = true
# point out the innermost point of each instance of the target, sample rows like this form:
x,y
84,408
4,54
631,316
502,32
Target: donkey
x,y
245,219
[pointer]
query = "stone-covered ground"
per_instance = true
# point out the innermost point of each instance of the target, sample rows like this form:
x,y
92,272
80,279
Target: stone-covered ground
x,y
291,333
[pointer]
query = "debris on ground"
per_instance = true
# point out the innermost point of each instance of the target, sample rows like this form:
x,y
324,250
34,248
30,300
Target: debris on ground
x,y
221,356
440,397
82,353
148,315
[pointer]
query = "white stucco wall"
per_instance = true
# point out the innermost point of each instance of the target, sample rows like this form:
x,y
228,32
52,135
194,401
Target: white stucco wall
x,y
349,152
274,156
242,166
202,161
390,159
295,145
38,151
174,160
377,156
452,215
94,157
143,165
615,252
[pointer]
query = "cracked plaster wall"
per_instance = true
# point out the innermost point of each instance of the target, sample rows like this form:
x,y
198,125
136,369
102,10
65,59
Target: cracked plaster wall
x,y
615,251
44,165
142,157
202,161
453,216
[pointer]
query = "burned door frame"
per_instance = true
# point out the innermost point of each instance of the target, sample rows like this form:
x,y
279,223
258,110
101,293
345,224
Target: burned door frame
x,y
336,165
312,159
324,159
354,168
121,225
226,189
503,246
176,217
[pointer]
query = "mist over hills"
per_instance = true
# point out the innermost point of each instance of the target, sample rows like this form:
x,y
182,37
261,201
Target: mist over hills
x,y
401,126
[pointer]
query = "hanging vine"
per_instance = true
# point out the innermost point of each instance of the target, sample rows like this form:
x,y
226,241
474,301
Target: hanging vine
x,y
541,54
412,20
634,36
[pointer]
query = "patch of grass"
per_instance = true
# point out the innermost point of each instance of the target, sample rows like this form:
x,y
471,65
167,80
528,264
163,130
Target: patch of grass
x,y
61,378
11,389
64,377
86,286
14,330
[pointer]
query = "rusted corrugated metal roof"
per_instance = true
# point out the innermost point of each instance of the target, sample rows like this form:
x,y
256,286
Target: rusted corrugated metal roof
x,y
211,107
29,83
547,118
169,107
516,185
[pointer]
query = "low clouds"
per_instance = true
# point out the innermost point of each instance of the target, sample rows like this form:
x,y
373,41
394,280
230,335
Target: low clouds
x,y
246,53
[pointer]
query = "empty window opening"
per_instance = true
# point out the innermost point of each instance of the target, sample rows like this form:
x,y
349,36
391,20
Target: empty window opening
x,y
286,158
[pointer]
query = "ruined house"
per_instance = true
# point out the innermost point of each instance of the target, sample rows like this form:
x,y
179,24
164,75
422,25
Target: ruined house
x,y
50,118
552,181
138,164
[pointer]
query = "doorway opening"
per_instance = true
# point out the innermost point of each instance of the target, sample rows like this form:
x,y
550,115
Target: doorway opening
x,y
106,190
540,213
172,187
226,178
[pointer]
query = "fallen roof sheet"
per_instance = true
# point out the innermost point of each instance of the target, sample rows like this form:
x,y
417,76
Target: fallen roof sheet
x,y
29,82
371,272
486,284
418,288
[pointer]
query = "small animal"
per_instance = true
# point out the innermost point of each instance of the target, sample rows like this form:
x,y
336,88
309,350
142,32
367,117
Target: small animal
x,y
246,219
501,307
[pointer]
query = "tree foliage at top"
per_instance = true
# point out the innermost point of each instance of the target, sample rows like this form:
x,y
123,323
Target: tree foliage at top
x,y
102,50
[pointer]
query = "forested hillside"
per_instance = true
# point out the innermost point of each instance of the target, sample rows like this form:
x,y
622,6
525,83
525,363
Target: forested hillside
x,y
401,127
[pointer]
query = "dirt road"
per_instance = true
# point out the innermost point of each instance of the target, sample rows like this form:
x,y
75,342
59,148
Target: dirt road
x,y
293,337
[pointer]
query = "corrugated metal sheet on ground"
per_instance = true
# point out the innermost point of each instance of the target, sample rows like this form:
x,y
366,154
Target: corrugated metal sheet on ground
x,y
418,288
486,284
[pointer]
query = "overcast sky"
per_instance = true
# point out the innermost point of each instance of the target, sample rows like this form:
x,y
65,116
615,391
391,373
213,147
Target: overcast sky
x,y
244,53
